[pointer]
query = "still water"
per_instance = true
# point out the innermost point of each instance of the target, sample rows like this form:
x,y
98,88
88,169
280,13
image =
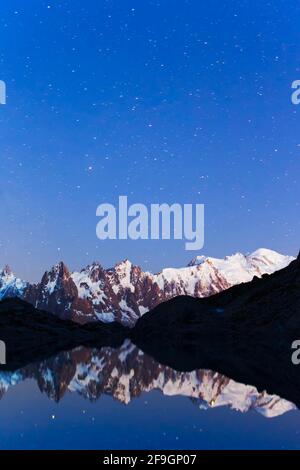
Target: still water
x,y
123,399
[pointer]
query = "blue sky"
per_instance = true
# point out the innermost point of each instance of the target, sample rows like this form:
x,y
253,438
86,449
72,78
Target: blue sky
x,y
164,101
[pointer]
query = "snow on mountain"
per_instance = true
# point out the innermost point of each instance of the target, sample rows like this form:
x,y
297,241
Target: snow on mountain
x,y
243,398
125,292
205,276
126,373
240,268
90,283
10,285
9,379
121,373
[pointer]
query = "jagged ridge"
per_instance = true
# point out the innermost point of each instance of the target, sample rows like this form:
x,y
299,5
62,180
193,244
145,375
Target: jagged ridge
x,y
124,293
126,373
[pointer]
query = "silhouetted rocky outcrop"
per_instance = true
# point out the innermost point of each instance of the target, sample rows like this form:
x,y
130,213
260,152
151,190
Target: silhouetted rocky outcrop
x,y
245,332
31,335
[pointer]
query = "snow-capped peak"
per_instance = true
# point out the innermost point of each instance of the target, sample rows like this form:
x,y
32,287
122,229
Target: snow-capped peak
x,y
60,269
6,271
126,292
239,268
10,285
265,257
200,259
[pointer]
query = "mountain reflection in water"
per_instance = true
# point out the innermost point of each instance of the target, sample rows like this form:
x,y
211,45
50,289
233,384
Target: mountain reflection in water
x,y
126,373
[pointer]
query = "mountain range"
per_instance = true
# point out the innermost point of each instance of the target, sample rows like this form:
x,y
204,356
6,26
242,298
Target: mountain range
x,y
126,373
244,333
125,292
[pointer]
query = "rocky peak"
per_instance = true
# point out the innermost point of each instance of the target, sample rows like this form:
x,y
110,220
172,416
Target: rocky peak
x,y
62,270
198,260
6,271
126,292
57,274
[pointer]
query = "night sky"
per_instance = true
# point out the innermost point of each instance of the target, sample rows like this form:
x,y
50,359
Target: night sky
x,y
184,101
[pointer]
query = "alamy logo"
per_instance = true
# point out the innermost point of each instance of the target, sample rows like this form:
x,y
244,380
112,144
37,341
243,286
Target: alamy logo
x,y
2,92
296,354
159,221
2,353
296,93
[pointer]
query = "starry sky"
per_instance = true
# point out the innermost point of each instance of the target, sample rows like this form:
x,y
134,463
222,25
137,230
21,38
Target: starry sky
x,y
182,101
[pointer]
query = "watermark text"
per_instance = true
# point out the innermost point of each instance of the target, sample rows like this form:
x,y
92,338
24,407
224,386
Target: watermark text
x,y
2,92
296,93
2,353
156,222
